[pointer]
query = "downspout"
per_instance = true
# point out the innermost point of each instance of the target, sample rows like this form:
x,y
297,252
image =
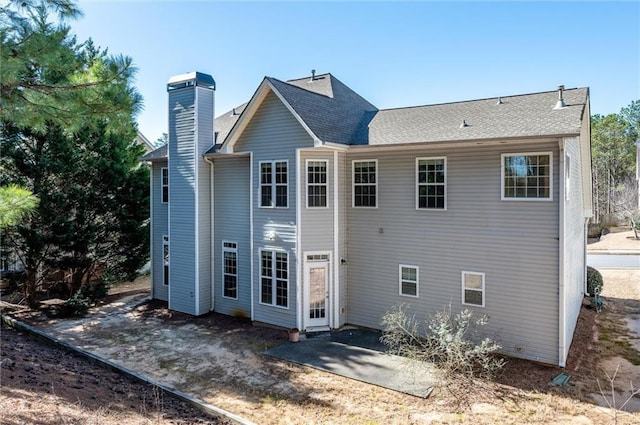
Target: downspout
x,y
299,308
561,246
151,238
335,263
212,239
251,255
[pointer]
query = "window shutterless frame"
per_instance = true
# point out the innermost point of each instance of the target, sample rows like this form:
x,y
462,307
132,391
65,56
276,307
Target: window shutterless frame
x,y
408,281
274,278
431,183
317,172
364,190
230,269
164,180
473,289
526,176
273,179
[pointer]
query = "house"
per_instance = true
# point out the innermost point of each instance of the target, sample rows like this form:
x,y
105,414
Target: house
x,y
309,207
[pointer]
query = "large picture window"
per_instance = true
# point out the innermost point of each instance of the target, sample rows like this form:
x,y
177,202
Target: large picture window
x,y
527,176
365,183
274,186
473,289
316,184
230,269
165,185
274,278
431,176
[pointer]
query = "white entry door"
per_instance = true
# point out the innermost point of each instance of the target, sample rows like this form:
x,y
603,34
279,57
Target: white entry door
x,y
316,300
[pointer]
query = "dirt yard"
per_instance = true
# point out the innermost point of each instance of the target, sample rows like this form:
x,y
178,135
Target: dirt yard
x,y
229,371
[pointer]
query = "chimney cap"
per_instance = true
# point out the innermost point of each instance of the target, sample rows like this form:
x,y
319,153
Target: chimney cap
x,y
193,78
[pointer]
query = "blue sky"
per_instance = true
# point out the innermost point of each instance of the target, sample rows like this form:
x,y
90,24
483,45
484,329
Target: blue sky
x,y
393,54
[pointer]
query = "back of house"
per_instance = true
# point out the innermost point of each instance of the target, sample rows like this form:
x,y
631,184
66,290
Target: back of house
x,y
307,207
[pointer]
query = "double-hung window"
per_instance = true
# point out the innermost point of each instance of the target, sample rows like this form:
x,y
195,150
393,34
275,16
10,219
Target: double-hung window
x,y
316,183
431,190
408,280
473,288
230,269
365,183
165,260
527,176
165,185
274,278
274,187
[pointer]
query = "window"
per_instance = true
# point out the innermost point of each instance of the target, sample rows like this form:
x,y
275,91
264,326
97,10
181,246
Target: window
x,y
230,270
165,185
274,189
316,184
274,278
432,183
365,184
165,260
408,280
527,176
473,288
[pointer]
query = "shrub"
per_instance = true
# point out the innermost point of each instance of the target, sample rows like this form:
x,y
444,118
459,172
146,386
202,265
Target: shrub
x,y
594,281
77,305
451,342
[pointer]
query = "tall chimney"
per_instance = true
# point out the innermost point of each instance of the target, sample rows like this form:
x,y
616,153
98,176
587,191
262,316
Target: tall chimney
x,y
191,134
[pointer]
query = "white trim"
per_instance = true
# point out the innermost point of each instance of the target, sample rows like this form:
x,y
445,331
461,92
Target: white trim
x,y
306,174
400,280
234,250
330,306
151,231
335,286
273,183
417,182
551,167
298,248
567,176
562,308
251,243
162,185
353,183
212,222
273,251
484,292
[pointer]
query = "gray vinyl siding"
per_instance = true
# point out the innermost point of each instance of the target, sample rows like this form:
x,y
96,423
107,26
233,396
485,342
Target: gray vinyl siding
x,y
160,227
182,156
205,112
231,223
574,245
515,243
317,223
274,134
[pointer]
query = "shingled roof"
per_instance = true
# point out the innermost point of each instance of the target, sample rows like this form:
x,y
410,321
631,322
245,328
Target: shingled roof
x,y
526,115
337,114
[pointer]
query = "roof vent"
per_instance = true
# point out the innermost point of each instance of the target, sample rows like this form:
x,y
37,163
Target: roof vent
x,y
313,75
499,102
464,124
560,103
233,112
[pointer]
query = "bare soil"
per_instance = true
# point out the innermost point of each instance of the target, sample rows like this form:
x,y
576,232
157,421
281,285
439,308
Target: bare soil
x,y
221,363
